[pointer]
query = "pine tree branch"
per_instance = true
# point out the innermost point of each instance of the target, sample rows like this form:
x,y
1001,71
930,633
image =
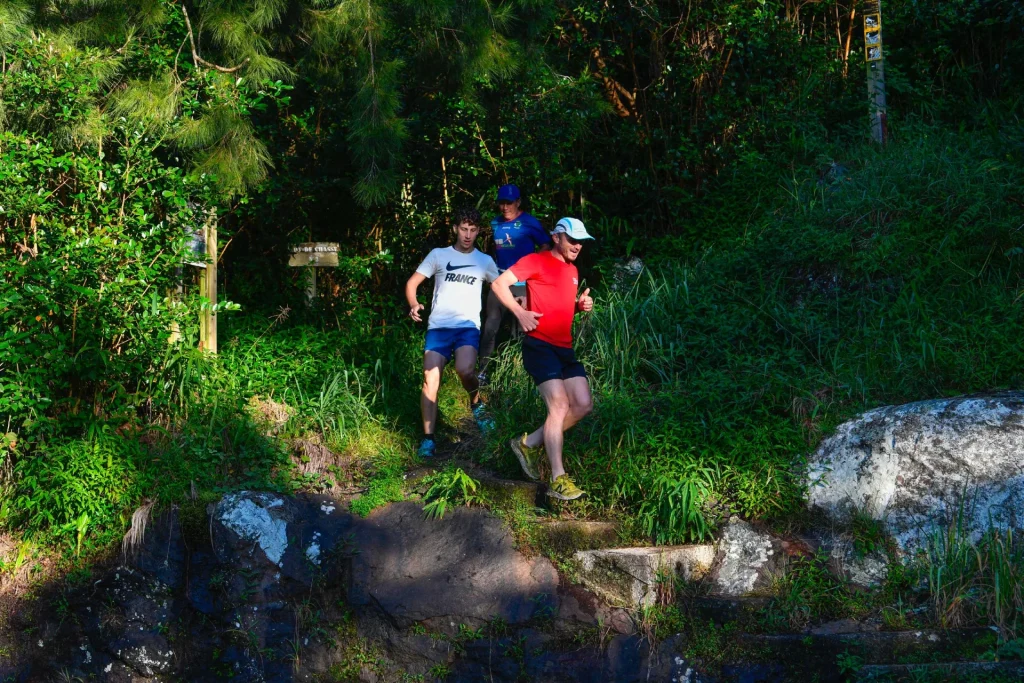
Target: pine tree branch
x,y
197,60
622,100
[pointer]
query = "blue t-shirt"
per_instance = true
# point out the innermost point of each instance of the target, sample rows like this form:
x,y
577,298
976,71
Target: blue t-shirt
x,y
516,238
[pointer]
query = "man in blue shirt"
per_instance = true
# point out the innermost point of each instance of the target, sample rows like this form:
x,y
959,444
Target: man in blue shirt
x,y
516,234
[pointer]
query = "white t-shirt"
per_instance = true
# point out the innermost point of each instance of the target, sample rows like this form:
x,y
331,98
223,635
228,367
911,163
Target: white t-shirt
x,y
458,279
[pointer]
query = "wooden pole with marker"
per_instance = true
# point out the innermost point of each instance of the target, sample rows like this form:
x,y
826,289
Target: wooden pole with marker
x,y
875,58
208,288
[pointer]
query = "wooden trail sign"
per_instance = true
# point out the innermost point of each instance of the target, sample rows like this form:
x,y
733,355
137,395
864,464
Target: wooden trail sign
x,y
313,255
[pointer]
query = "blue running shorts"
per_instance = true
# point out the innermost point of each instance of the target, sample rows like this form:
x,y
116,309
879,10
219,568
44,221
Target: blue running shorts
x,y
444,340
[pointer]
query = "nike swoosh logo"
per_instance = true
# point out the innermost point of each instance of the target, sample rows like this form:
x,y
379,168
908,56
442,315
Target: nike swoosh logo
x,y
451,267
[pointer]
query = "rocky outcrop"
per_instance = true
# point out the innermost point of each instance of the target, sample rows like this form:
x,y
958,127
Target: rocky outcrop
x,y
461,568
921,465
741,563
746,560
630,577
280,588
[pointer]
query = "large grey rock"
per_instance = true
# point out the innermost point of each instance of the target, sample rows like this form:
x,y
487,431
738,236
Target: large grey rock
x,y
911,465
746,559
464,567
630,576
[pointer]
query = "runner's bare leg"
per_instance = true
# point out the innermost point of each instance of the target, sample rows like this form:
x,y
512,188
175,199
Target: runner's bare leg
x,y
580,405
568,402
433,368
465,366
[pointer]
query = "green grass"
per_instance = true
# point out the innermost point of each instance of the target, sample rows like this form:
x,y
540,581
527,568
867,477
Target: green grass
x,y
977,580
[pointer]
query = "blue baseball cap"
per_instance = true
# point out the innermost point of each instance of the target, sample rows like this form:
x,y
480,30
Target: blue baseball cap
x,y
573,227
508,193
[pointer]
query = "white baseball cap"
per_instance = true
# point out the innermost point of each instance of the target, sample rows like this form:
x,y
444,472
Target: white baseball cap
x,y
573,227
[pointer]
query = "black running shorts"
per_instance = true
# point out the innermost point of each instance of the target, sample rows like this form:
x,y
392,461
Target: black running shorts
x,y
546,361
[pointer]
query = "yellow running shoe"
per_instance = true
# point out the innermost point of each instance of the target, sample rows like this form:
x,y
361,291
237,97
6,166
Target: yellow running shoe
x,y
563,488
529,458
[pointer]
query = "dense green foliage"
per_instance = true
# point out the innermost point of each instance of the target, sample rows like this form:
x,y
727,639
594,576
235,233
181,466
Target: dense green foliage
x,y
795,273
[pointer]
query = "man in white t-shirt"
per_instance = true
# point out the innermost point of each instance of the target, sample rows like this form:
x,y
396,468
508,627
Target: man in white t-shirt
x,y
453,328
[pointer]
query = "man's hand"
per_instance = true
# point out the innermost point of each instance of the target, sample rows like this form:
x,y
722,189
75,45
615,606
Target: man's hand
x,y
414,312
585,303
528,320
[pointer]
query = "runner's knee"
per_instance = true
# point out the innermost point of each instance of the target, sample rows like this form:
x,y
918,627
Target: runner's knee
x,y
558,407
583,405
465,373
431,379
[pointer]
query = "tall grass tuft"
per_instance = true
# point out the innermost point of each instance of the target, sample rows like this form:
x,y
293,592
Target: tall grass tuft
x,y
972,581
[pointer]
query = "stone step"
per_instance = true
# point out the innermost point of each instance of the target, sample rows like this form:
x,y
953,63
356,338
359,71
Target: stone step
x,y
952,671
506,491
501,491
629,577
571,534
577,534
722,610
818,654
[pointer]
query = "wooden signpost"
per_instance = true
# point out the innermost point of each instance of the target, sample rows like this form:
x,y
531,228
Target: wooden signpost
x,y
874,56
313,255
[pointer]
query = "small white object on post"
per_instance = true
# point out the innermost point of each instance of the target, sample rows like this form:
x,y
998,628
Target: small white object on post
x,y
313,255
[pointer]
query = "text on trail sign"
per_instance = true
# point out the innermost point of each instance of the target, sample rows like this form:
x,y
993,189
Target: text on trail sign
x,y
316,254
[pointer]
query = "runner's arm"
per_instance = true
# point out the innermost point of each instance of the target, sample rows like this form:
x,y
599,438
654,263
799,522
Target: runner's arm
x,y
410,295
501,288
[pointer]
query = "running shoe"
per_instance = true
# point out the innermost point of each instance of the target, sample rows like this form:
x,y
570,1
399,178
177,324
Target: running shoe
x,y
483,419
427,448
529,458
563,488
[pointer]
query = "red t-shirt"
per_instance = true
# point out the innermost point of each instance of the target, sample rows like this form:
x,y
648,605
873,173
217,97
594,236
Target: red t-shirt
x,y
550,289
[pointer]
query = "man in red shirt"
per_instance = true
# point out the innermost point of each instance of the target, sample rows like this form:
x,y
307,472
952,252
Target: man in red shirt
x,y
551,284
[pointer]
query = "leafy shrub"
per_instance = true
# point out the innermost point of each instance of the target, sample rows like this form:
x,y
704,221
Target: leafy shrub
x,y
672,512
86,482
449,488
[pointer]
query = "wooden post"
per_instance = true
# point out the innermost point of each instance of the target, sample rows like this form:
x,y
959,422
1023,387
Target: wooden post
x,y
873,54
174,295
311,285
208,288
